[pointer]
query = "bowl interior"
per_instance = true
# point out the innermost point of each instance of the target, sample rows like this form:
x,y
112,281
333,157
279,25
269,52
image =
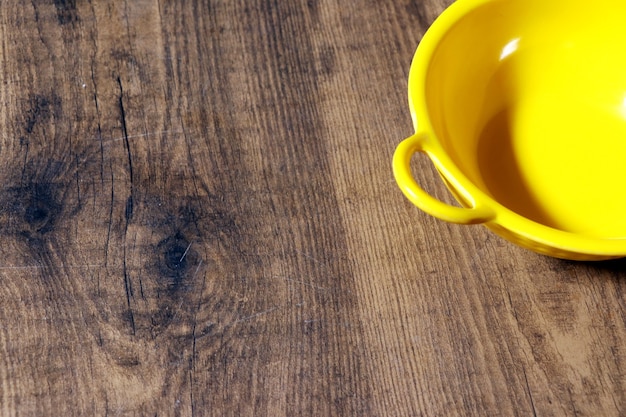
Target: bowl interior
x,y
529,100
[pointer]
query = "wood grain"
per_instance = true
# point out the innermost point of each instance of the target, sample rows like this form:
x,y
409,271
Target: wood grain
x,y
198,217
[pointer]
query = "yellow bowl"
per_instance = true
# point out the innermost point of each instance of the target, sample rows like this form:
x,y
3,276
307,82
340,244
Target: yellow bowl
x,y
521,105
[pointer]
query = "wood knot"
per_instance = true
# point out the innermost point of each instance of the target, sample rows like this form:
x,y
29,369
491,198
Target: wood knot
x,y
41,208
177,258
38,207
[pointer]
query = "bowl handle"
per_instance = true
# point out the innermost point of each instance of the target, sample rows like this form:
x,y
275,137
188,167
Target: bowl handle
x,y
418,196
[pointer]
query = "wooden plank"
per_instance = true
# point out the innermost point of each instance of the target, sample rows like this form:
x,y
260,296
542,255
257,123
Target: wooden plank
x,y
198,217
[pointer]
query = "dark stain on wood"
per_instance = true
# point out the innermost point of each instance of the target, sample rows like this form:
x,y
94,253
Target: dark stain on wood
x,y
42,207
184,241
66,10
313,7
41,109
128,210
328,60
177,258
33,207
200,218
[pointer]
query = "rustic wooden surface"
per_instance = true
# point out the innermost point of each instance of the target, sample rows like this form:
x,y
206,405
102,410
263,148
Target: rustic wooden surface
x,y
198,217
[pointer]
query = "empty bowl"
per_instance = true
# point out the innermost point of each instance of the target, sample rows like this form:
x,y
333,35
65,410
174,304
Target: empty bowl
x,y
521,106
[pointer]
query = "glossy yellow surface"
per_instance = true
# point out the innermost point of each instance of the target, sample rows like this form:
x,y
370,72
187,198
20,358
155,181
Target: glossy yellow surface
x,y
521,105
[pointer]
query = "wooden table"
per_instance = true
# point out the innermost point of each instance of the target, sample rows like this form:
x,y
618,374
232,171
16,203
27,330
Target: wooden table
x,y
198,217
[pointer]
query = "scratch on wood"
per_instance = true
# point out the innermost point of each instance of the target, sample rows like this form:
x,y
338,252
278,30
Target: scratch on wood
x,y
99,125
317,261
110,222
530,395
301,282
129,295
127,283
141,135
125,132
182,258
512,306
26,267
253,316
